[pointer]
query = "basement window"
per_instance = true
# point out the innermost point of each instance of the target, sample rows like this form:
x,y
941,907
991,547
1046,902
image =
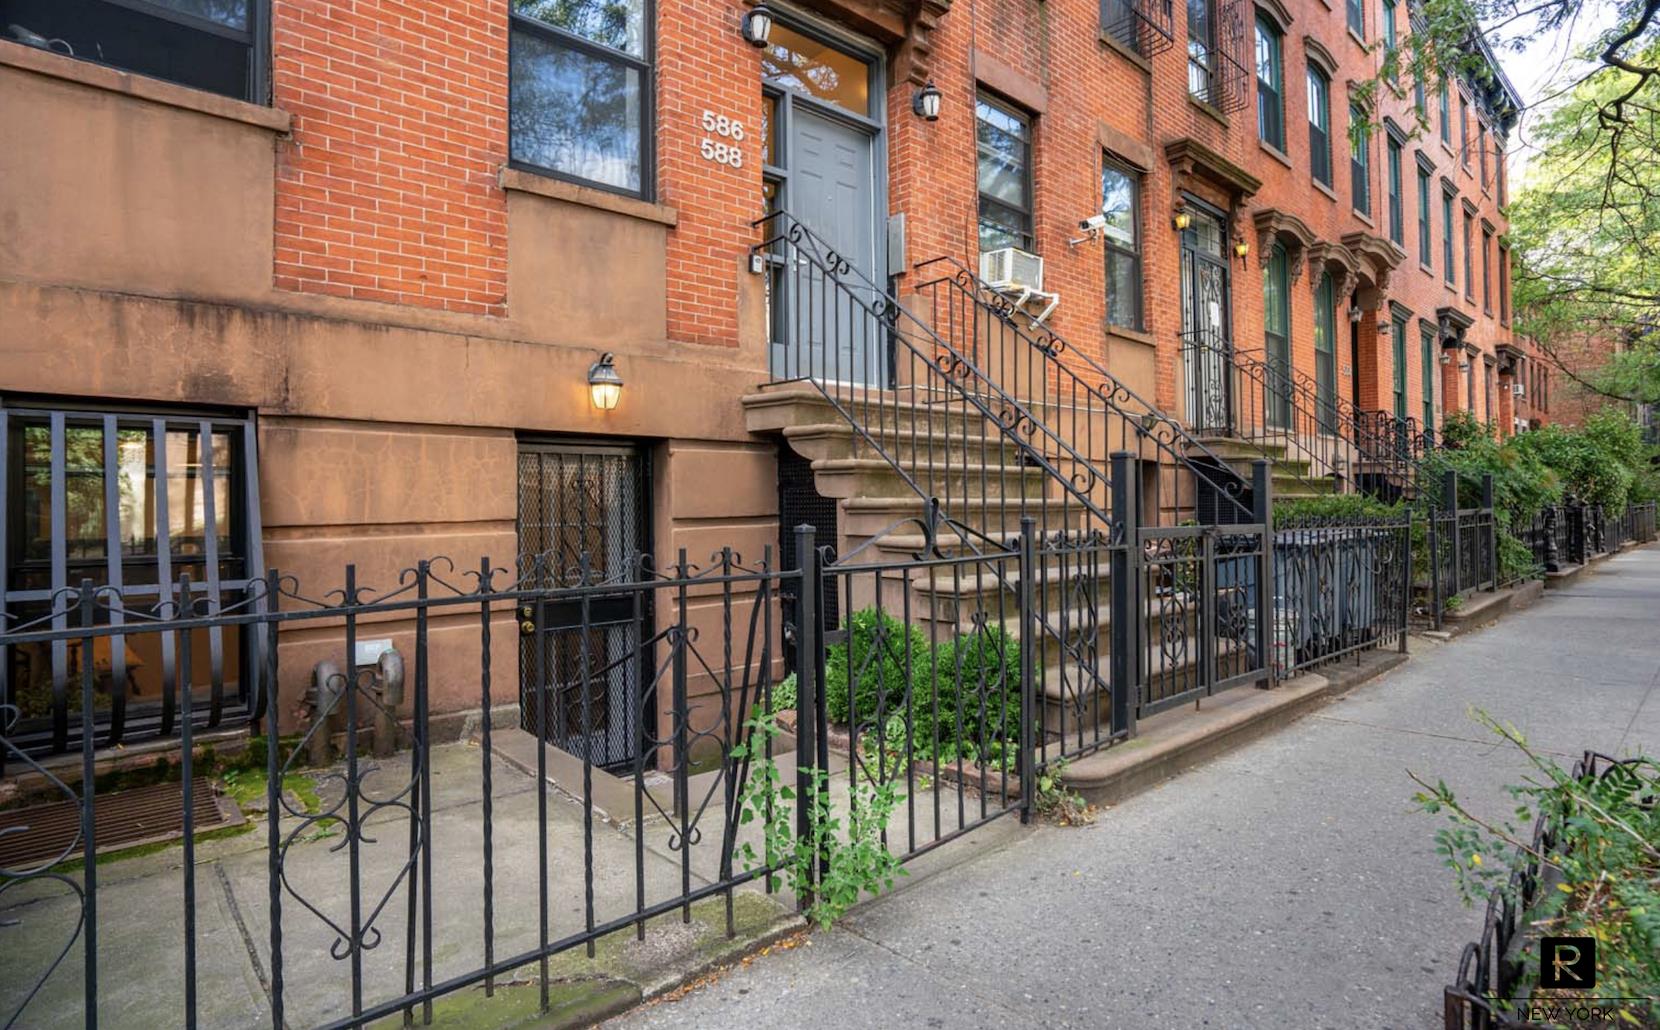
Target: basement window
x,y
204,44
129,501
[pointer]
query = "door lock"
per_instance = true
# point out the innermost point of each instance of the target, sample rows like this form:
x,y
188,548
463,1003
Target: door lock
x,y
527,627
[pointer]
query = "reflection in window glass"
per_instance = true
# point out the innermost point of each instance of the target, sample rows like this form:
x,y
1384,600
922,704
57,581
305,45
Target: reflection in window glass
x,y
1004,138
230,13
618,24
799,62
575,114
1120,237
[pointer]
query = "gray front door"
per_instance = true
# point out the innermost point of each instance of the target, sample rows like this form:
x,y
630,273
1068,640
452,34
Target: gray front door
x,y
825,168
833,193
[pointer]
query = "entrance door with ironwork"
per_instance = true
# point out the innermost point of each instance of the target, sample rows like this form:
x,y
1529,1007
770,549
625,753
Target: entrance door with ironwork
x,y
582,519
1205,321
823,140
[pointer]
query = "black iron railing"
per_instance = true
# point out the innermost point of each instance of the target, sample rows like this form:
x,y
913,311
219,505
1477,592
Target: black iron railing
x,y
1462,539
377,897
1143,26
1081,399
974,449
1341,586
1240,395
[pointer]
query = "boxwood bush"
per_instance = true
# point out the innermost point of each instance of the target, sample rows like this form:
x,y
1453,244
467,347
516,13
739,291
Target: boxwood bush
x,y
875,655
978,677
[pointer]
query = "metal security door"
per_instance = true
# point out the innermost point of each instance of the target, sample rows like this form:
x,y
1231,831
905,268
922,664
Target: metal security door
x,y
582,520
1205,318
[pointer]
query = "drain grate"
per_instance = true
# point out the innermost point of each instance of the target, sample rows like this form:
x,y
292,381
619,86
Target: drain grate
x,y
124,819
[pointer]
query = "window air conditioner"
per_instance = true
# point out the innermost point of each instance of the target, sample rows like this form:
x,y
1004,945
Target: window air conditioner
x,y
1520,389
1010,269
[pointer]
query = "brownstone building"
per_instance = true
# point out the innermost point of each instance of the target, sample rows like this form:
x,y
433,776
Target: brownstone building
x,y
292,283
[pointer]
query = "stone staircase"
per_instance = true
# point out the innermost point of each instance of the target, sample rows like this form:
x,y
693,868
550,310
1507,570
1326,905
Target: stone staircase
x,y
1293,478
904,451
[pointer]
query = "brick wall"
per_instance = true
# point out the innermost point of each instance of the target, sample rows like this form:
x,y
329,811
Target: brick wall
x,y
704,64
387,190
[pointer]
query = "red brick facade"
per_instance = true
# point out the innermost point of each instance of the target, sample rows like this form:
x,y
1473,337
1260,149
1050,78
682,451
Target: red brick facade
x,y
386,189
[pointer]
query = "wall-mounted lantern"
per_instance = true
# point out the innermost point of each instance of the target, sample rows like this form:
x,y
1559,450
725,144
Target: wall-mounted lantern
x,y
1241,250
926,102
757,25
1182,219
604,384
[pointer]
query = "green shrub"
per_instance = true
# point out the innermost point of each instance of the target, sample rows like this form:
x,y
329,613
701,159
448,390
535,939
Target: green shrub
x,y
978,682
783,695
1334,506
880,664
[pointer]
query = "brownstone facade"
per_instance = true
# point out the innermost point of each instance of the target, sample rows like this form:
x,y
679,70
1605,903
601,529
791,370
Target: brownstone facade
x,y
357,253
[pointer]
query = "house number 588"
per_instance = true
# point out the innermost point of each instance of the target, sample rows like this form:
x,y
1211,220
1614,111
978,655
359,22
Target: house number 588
x,y
720,151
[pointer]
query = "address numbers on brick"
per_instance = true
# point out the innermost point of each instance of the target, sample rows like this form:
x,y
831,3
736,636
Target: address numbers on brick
x,y
718,150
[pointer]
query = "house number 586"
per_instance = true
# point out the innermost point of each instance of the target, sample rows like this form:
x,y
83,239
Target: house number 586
x,y
717,150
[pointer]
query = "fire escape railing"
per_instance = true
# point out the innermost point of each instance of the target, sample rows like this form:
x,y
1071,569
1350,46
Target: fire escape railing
x,y
1144,26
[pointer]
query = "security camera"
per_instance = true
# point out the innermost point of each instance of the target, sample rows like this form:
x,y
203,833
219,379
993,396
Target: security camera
x,y
1091,228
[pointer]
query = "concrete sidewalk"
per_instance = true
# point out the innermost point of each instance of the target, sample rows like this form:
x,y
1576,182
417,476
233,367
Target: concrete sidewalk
x,y
1289,884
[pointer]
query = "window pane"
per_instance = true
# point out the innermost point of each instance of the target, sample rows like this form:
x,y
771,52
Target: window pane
x,y
1118,205
818,69
1002,145
83,484
230,13
140,40
618,24
1123,289
574,113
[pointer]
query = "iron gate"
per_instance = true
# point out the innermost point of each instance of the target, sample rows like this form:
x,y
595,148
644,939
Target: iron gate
x,y
581,521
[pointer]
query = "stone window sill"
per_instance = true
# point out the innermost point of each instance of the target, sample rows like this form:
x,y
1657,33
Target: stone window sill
x,y
1274,152
141,87
1118,332
1364,217
544,186
1323,188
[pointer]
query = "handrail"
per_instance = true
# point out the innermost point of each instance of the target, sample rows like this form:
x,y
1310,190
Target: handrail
x,y
1282,412
1145,423
826,302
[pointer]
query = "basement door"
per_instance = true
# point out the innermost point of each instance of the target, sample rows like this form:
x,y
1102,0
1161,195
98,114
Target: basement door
x,y
582,507
823,138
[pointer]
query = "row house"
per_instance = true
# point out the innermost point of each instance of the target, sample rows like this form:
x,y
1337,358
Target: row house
x,y
292,283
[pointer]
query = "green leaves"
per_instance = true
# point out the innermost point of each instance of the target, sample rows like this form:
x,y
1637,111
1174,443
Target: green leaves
x,y
1601,874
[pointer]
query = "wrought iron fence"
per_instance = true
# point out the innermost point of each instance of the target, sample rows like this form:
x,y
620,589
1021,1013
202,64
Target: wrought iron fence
x,y
1462,543
1489,968
1643,522
1341,586
949,678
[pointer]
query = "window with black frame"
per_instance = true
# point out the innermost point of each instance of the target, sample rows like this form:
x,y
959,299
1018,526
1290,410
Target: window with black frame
x,y
1004,141
211,45
1121,240
1360,162
1319,125
130,502
579,91
1270,84
1201,50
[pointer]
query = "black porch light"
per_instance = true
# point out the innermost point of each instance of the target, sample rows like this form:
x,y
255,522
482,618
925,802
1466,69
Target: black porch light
x,y
926,102
604,384
757,25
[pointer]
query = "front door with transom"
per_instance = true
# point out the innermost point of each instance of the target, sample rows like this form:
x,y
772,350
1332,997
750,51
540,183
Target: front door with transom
x,y
1205,322
823,166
